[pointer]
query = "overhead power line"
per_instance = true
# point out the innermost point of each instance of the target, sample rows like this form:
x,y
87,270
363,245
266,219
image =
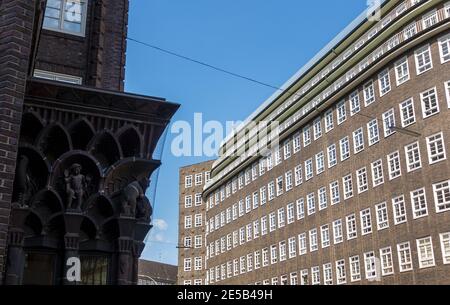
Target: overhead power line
x,y
205,64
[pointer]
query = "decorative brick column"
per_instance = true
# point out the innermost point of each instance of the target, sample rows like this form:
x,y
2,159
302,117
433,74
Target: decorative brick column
x,y
16,31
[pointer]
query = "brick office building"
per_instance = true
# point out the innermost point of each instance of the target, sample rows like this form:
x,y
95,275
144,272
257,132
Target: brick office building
x,y
75,150
192,229
358,191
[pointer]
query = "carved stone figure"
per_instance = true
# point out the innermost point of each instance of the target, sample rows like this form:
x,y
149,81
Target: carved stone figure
x,y
23,181
76,184
133,198
144,209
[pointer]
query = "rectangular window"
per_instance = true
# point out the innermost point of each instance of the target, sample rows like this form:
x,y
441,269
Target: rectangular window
x,y
293,279
198,199
265,257
311,202
402,71
287,150
399,209
187,264
306,136
188,201
188,222
389,122
297,143
410,31
436,148
370,265
340,272
341,113
290,213
309,169
263,225
292,247
327,274
373,131
407,113
334,191
300,209
387,264
320,163
444,48
355,268
423,59
355,105
281,218
425,252
366,222
198,263
382,216
419,203
442,196
362,180
273,254
394,165
445,247
369,93
313,240
323,202
279,186
358,140
255,229
315,275
66,16
351,227
272,222
430,19
338,232
262,195
325,236
430,103
377,173
282,250
332,155
384,82
302,244
329,121
198,179
345,148
317,129
288,177
348,186
188,181
404,257
413,160
298,175
271,190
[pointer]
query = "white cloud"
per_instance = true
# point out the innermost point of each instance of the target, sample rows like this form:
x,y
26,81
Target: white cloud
x,y
159,237
160,224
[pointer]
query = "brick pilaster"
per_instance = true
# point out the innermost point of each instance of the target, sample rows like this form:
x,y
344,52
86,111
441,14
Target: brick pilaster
x,y
16,30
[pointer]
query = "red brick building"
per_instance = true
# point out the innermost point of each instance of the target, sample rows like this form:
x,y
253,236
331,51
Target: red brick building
x,y
358,190
75,150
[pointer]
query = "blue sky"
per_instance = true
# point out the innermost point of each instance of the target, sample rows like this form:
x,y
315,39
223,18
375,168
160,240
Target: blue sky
x,y
268,40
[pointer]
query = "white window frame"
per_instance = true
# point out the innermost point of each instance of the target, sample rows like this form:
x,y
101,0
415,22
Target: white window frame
x,y
404,257
426,99
441,193
436,152
423,53
62,20
399,210
402,74
425,252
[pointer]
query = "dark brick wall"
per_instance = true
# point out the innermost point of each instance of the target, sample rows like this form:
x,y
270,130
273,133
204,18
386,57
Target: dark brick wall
x,y
99,56
16,22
